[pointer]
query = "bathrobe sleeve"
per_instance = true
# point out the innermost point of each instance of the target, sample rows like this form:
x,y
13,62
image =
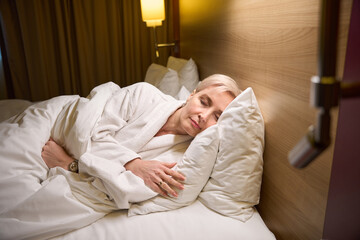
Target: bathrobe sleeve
x,y
125,114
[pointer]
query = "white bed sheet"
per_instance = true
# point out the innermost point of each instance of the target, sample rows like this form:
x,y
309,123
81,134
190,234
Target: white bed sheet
x,y
192,222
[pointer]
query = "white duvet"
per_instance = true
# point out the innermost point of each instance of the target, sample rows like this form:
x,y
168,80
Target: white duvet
x,y
38,203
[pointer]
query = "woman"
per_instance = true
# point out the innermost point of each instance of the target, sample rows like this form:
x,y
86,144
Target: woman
x,y
201,110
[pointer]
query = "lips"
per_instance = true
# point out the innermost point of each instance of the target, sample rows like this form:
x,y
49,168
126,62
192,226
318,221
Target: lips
x,y
195,124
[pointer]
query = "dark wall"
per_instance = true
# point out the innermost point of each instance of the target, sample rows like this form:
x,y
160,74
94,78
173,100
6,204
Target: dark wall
x,y
343,209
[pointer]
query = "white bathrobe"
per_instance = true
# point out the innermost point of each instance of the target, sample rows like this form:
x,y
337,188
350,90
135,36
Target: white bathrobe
x,y
126,131
104,131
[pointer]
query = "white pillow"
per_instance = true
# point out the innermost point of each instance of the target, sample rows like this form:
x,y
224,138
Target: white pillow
x,y
183,94
176,63
170,84
163,78
234,185
196,164
187,70
155,73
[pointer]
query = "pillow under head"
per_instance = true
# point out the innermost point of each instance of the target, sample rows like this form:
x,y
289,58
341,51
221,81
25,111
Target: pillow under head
x,y
196,164
234,185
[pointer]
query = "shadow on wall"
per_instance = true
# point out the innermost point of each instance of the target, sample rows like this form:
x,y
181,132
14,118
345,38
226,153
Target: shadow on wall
x,y
3,94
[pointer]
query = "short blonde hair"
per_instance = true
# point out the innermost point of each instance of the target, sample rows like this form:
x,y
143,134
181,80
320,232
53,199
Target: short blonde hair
x,y
225,83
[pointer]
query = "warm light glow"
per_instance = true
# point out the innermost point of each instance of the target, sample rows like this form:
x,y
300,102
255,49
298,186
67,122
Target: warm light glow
x,y
153,12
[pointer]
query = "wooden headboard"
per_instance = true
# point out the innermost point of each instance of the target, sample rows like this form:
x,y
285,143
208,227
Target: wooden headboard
x,y
271,46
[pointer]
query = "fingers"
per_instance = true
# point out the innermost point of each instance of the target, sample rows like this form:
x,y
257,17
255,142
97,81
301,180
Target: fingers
x,y
163,185
172,173
169,165
45,146
48,143
173,182
168,179
156,188
157,175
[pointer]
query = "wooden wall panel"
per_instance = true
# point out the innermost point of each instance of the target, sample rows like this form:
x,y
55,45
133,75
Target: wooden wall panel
x,y
271,46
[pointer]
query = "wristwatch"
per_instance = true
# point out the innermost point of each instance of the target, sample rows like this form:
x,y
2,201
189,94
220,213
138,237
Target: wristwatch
x,y
74,166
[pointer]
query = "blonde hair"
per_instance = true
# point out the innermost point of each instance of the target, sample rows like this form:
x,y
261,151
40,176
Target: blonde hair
x,y
223,82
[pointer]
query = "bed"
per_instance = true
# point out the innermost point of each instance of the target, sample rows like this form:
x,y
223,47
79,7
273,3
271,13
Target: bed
x,y
191,222
221,191
270,46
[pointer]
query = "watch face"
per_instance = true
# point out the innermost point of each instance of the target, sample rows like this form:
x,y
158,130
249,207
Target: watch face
x,y
73,166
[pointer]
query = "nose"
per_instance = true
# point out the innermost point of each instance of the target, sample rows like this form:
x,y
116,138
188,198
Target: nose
x,y
204,116
205,120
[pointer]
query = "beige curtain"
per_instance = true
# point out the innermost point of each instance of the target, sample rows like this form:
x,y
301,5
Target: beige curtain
x,y
56,47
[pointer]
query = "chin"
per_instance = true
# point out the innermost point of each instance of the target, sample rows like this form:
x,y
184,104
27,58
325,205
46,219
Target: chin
x,y
193,133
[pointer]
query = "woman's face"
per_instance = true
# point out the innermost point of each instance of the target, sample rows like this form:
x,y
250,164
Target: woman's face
x,y
203,109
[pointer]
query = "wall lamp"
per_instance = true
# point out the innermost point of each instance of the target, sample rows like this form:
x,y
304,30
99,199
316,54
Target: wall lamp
x,y
153,13
325,90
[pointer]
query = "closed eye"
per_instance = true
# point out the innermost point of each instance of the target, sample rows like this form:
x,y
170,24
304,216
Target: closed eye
x,y
217,116
205,100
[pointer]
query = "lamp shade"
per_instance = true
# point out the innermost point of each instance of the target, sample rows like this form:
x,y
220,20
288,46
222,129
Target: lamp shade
x,y
153,12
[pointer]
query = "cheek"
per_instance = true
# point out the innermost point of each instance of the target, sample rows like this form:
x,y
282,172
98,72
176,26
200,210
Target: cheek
x,y
193,106
210,123
187,109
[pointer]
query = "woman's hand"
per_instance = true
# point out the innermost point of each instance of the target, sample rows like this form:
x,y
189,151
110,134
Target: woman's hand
x,y
55,156
157,175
